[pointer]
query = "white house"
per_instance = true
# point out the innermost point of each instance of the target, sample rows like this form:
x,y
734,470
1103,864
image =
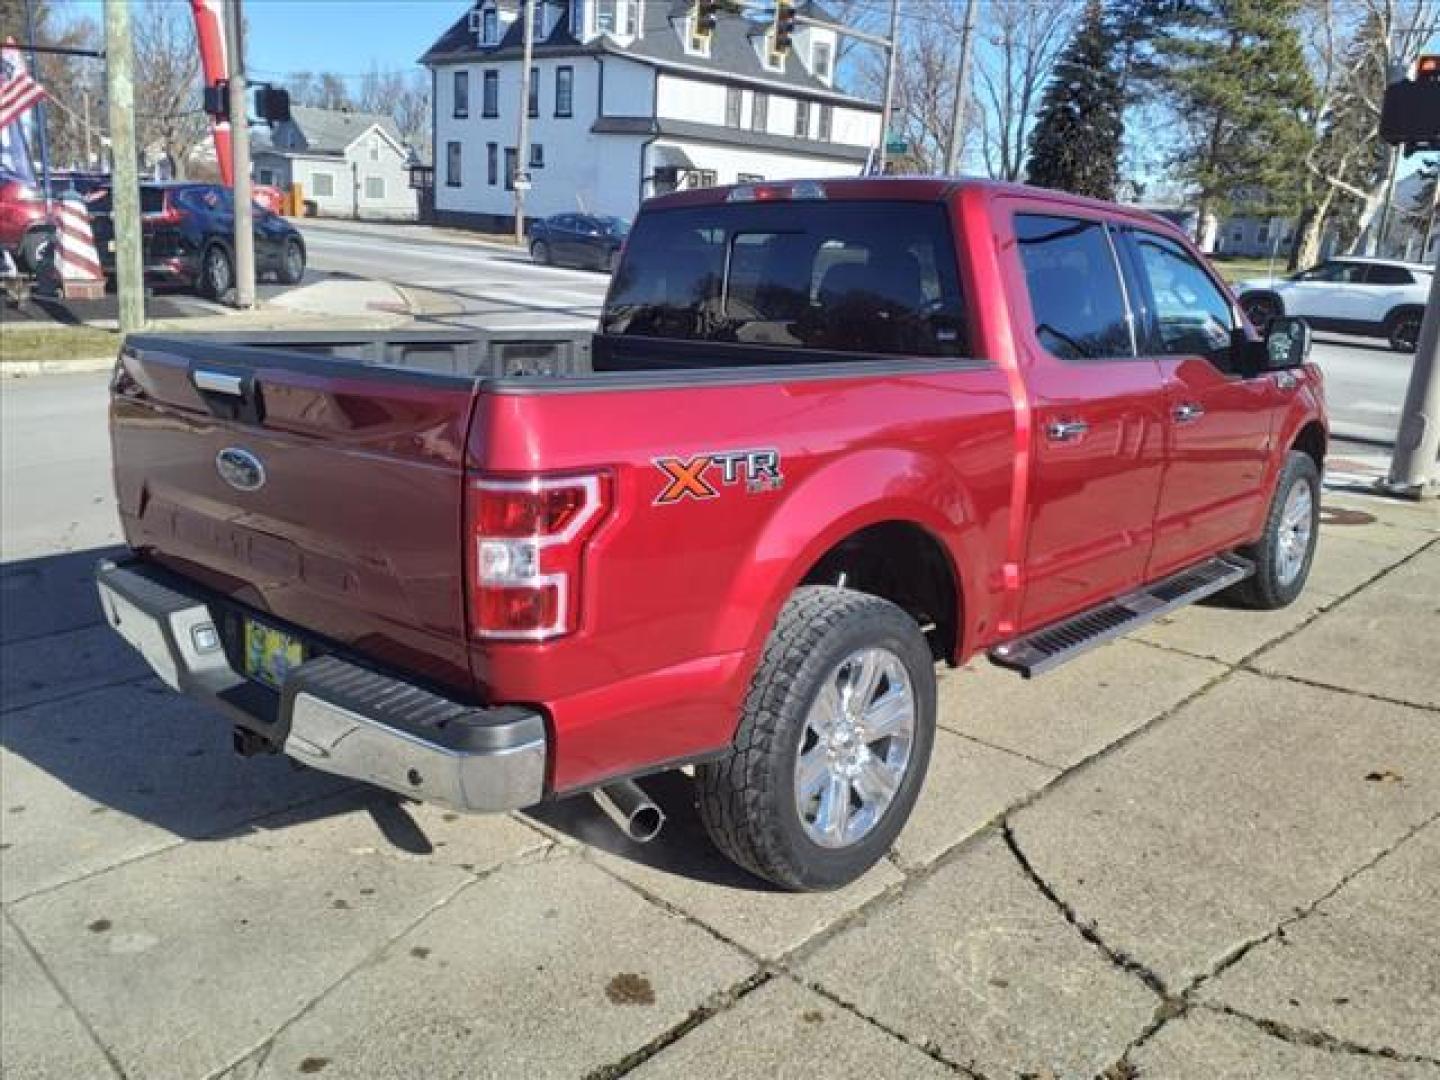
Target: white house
x,y
349,164
627,102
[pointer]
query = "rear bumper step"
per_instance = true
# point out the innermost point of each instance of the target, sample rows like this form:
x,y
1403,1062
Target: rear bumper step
x,y
333,715
1048,648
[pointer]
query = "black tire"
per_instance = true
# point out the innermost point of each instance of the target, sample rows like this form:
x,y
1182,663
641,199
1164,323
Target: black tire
x,y
292,263
540,252
1270,587
1262,309
32,248
1402,328
217,273
747,800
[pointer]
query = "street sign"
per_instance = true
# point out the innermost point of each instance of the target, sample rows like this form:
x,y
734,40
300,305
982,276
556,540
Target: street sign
x,y
522,183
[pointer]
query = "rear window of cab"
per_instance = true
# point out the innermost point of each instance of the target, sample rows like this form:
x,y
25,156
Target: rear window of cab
x,y
793,277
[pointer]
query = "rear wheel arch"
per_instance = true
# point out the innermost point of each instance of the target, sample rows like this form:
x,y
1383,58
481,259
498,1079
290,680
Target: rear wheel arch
x,y
903,562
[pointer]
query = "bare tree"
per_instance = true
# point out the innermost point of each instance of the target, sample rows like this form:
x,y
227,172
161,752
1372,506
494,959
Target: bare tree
x,y
168,115
405,98
74,84
1350,164
1023,40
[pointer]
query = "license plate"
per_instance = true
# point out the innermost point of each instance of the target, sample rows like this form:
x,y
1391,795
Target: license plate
x,y
270,654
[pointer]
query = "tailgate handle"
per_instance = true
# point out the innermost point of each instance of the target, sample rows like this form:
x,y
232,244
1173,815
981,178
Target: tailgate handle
x,y
220,382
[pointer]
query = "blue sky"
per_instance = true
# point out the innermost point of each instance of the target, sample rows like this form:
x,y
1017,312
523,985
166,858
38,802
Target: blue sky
x,y
344,36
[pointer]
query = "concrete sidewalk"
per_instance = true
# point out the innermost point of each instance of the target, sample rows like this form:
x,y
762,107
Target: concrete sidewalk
x,y
1211,851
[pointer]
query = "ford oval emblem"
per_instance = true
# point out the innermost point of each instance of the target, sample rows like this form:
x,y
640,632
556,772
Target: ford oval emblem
x,y
240,469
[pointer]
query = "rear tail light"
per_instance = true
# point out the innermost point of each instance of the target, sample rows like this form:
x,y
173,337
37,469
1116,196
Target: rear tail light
x,y
526,544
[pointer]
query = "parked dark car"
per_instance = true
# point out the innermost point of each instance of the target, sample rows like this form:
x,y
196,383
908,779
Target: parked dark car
x,y
590,241
189,231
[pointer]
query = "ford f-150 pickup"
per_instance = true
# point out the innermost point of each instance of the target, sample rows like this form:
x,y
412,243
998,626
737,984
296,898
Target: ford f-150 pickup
x,y
828,435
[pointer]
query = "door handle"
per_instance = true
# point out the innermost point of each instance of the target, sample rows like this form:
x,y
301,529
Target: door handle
x,y
220,382
1187,413
1066,430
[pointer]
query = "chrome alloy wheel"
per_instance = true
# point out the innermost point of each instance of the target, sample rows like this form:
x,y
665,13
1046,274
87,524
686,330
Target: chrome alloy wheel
x,y
855,747
1297,523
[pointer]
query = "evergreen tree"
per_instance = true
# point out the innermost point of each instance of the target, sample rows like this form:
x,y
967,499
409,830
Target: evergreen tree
x,y
1077,138
1235,74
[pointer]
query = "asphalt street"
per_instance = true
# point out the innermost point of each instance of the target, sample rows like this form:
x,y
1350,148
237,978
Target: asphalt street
x,y
459,283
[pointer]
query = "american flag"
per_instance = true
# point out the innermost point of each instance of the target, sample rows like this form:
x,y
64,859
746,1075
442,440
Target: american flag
x,y
18,91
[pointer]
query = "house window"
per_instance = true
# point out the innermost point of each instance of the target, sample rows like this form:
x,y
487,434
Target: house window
x,y
749,178
802,119
827,122
509,168
462,95
760,112
1263,236
702,178
820,59
607,16
267,176
696,43
452,164
564,91
492,163
537,156
491,104
375,188
375,150
322,184
537,20
773,61
534,91
489,27
733,98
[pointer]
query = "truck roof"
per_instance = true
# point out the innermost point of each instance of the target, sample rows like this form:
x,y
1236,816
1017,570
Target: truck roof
x,y
909,189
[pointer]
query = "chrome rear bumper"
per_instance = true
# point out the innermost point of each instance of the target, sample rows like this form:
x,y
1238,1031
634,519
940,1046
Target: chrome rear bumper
x,y
331,714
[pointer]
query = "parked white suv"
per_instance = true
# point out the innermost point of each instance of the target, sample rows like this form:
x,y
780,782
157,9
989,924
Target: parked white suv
x,y
1374,297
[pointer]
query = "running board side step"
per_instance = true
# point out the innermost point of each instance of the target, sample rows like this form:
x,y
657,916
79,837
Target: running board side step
x,y
1048,648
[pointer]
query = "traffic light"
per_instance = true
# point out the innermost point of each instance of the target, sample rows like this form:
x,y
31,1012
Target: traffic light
x,y
1410,114
217,100
272,103
783,33
707,14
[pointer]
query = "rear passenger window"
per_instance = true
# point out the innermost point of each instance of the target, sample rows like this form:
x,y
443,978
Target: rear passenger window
x,y
1388,275
1074,287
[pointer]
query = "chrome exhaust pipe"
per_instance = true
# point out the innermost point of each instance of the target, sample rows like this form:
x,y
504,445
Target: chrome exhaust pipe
x,y
631,809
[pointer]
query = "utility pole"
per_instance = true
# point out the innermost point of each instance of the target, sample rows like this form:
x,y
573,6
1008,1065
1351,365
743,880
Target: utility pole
x,y
1412,465
125,190
522,139
891,62
240,154
962,94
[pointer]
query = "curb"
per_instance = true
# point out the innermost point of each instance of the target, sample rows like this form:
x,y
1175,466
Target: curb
x,y
20,369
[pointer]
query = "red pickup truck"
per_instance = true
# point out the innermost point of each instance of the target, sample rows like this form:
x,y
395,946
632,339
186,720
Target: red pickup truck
x,y
828,434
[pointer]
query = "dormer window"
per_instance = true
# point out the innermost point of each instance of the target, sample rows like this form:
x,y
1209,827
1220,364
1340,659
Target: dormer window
x,y
537,20
822,61
485,23
772,60
695,44
618,18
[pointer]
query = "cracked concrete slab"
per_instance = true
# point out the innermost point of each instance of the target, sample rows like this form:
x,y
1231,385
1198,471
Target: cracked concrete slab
x,y
98,779
683,868
1073,712
1229,634
41,1035
1344,562
1246,805
967,786
1376,642
1364,967
1203,1045
184,961
976,961
784,1030
551,968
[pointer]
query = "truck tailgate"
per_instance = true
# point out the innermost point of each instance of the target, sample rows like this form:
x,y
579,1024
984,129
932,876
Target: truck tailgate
x,y
324,494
